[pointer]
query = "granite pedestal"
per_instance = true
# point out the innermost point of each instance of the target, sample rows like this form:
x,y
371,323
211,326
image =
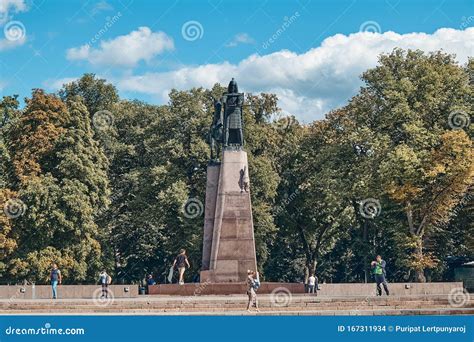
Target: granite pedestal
x,y
229,243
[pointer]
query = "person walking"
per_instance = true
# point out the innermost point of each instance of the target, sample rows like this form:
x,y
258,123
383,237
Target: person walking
x,y
253,283
104,280
313,284
56,279
181,262
378,268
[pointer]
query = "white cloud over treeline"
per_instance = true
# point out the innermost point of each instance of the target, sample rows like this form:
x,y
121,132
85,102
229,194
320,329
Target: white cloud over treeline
x,y
309,84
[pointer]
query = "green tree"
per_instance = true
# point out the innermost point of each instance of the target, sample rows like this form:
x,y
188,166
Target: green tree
x,y
8,243
97,93
63,182
425,165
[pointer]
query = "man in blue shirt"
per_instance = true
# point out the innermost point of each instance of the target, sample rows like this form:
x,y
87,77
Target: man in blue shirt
x,y
56,279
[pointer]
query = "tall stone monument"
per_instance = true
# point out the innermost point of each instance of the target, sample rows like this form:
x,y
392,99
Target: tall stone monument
x,y
229,243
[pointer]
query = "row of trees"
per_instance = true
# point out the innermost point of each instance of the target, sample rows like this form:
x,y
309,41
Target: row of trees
x,y
92,181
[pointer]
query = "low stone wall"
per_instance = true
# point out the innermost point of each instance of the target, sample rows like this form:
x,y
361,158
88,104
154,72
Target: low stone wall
x,y
131,291
65,291
397,289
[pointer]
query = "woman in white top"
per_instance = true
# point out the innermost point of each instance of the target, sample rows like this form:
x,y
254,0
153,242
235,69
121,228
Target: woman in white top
x,y
104,280
252,284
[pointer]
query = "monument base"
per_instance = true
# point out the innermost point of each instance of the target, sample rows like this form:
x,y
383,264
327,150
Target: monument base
x,y
229,242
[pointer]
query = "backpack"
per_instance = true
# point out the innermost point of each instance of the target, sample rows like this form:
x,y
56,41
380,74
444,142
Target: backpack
x,y
256,283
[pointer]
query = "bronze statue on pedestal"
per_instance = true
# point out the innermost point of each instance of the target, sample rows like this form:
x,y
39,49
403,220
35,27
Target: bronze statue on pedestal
x,y
227,123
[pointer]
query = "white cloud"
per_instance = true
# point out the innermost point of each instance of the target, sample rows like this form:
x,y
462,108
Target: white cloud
x,y
56,84
240,38
81,52
308,84
100,7
8,6
3,84
6,44
127,50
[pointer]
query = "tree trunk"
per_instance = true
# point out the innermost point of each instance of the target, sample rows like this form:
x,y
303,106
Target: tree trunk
x,y
306,275
312,267
309,269
419,272
418,253
365,239
364,228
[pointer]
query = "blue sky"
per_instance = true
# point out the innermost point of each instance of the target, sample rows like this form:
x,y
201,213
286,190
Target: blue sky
x,y
309,52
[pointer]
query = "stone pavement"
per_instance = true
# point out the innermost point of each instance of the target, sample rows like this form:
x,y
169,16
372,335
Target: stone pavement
x,y
235,305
